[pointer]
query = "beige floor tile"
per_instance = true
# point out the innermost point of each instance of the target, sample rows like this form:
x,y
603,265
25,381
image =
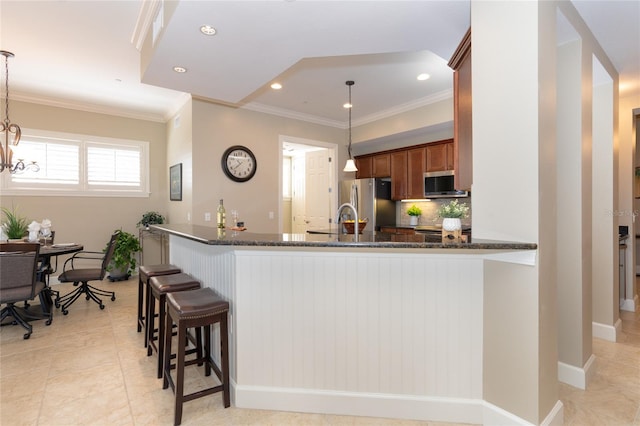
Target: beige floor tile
x,y
96,372
22,410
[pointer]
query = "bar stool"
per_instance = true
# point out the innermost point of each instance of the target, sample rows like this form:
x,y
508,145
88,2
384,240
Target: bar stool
x,y
144,273
189,309
159,286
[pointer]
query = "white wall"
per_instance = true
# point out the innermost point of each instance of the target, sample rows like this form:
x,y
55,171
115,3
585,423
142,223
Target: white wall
x,y
217,127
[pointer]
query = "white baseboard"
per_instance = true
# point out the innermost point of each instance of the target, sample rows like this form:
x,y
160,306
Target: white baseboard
x,y
576,376
408,407
606,332
630,304
555,416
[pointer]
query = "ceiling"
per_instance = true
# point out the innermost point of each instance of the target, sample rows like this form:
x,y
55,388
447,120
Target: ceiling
x,y
83,54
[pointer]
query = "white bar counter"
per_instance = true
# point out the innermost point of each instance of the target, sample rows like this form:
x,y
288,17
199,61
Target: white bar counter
x,y
374,328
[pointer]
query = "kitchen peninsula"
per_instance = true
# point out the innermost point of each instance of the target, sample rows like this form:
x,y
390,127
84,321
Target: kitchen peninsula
x,y
400,329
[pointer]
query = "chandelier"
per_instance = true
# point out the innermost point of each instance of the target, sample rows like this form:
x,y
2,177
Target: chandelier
x,y
351,165
11,132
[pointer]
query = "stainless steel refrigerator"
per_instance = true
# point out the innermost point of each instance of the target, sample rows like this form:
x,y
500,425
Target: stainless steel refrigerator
x,y
372,199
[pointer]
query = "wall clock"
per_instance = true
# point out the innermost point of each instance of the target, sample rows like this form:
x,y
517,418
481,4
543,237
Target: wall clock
x,y
239,163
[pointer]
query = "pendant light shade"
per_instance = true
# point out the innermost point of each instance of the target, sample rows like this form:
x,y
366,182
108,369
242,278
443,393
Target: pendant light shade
x,y
351,165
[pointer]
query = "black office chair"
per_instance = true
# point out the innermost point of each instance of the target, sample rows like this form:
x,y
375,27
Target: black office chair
x,y
81,276
18,265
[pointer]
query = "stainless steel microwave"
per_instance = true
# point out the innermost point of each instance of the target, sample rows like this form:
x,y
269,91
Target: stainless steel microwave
x,y
441,185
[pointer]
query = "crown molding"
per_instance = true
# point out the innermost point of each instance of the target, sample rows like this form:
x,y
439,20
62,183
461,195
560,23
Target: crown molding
x,y
286,113
398,109
85,107
409,106
147,14
253,106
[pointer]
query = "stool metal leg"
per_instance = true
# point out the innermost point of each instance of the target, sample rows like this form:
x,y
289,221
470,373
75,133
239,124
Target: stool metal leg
x,y
161,332
166,379
141,317
150,322
179,385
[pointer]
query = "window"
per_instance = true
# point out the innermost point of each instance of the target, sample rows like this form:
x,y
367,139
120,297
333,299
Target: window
x,y
80,165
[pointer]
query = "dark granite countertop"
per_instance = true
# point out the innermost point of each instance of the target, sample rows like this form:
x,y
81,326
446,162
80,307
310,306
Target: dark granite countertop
x,y
213,236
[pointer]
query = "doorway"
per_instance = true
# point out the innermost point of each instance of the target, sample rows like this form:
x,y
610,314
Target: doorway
x,y
308,182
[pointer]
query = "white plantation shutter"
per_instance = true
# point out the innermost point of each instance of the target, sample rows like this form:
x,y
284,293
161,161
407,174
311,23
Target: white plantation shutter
x,y
59,162
118,166
77,166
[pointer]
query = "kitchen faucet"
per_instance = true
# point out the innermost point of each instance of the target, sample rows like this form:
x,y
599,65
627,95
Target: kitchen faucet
x,y
355,215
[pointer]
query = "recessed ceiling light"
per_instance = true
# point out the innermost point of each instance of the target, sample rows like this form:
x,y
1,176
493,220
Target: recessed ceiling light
x,y
180,69
208,30
422,77
276,86
347,105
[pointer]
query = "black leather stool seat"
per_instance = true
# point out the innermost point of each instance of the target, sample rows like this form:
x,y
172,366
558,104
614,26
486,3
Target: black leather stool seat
x,y
169,283
204,302
144,273
196,309
159,286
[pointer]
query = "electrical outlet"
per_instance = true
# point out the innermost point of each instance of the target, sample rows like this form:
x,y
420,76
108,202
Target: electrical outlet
x,y
207,217
188,217
271,216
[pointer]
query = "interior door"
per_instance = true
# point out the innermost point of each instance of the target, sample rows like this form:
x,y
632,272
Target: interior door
x,y
298,202
318,208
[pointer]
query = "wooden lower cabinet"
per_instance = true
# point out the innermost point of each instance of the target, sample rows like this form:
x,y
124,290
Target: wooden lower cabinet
x,y
397,230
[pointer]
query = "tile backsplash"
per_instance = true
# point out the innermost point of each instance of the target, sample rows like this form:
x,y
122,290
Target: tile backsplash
x,y
429,211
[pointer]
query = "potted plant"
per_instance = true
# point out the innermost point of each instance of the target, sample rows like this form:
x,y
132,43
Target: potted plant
x,y
414,212
150,218
15,227
451,213
123,261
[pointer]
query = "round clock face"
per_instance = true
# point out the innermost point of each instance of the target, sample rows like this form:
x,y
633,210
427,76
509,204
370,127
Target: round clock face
x,y
239,163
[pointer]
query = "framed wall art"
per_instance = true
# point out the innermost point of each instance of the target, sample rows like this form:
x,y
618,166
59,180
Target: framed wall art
x,y
175,182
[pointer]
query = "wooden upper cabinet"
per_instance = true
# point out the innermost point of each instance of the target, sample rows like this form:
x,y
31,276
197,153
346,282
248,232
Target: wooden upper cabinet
x,y
406,166
364,165
462,131
416,166
381,165
450,156
439,157
398,175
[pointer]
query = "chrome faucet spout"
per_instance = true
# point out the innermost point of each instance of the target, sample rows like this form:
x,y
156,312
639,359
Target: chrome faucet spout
x,y
355,215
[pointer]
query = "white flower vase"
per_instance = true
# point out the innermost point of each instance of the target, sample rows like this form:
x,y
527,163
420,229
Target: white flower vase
x,y
413,220
451,230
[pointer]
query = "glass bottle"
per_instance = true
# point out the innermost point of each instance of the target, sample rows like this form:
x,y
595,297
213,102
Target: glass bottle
x,y
221,215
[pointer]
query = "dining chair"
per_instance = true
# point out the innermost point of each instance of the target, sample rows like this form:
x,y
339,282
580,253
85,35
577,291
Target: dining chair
x,y
18,266
45,269
80,276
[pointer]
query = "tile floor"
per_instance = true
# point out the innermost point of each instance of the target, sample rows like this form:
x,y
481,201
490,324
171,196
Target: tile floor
x,y
90,368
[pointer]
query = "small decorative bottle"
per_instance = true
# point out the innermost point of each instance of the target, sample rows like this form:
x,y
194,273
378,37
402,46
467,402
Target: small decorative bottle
x,y
221,215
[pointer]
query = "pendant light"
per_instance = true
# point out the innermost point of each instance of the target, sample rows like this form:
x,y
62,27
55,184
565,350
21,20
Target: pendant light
x,y
11,131
351,165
